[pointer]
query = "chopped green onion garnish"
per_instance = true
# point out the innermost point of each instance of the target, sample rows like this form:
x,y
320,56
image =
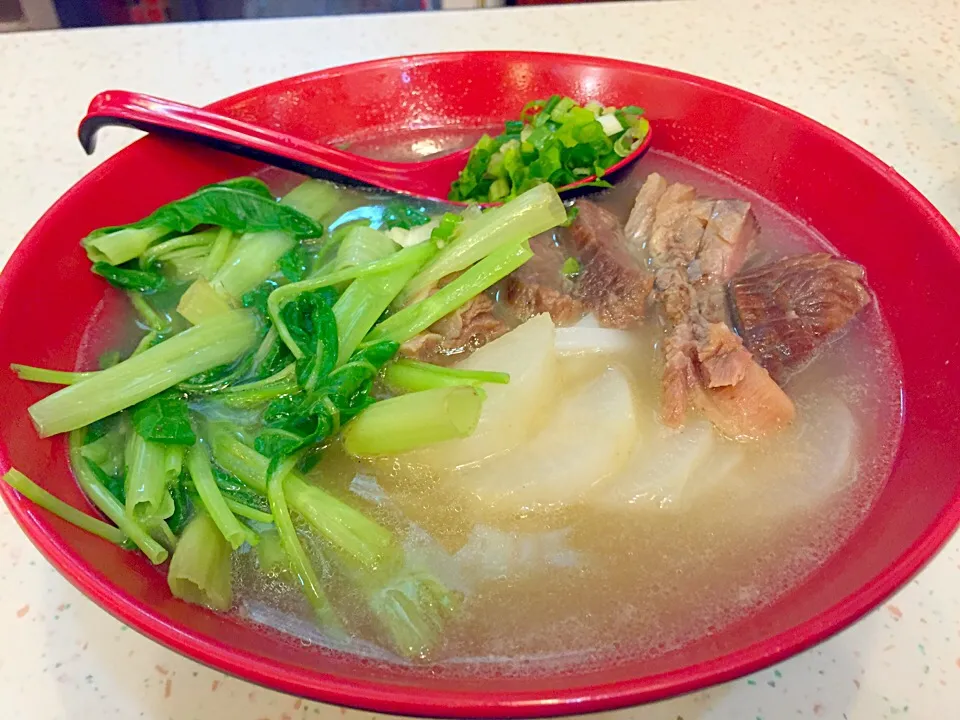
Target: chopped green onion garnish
x,y
556,141
571,267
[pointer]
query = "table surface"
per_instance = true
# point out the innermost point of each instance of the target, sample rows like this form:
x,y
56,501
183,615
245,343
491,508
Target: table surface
x,y
886,76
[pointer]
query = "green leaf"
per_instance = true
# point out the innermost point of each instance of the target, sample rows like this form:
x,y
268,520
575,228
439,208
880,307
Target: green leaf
x,y
99,428
257,299
128,278
218,378
301,316
401,215
322,357
241,205
164,418
295,265
277,358
237,490
303,420
182,507
114,485
247,184
230,487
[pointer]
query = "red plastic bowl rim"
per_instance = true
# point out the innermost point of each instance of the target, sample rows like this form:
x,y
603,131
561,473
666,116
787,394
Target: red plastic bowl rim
x,y
383,697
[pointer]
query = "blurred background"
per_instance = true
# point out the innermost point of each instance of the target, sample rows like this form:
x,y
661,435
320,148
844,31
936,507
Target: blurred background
x,y
19,15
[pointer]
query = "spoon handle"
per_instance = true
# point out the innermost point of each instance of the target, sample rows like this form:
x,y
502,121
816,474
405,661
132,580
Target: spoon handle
x,y
153,114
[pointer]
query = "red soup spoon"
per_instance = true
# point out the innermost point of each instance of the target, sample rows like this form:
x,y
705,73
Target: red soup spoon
x,y
429,178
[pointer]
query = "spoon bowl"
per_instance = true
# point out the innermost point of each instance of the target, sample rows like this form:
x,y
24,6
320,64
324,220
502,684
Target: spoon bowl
x,y
429,179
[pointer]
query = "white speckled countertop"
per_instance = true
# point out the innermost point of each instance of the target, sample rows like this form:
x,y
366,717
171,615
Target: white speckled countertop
x,y
884,74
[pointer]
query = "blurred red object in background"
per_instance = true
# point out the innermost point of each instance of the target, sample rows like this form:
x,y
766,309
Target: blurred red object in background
x,y
148,11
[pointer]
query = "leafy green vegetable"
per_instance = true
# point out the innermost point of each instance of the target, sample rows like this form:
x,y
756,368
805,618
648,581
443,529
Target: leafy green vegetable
x,y
146,342
247,184
161,251
235,489
29,489
201,302
414,420
401,215
362,245
410,607
241,205
366,542
321,354
252,260
146,496
54,377
114,484
257,298
556,141
298,421
535,211
90,479
297,557
271,357
218,378
365,300
182,508
151,318
212,499
301,371
417,317
295,264
200,568
412,258
302,316
405,375
445,231
260,392
221,340
100,428
126,278
314,198
219,251
109,452
164,418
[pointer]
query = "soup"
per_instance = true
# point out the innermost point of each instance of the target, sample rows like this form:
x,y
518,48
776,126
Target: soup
x,y
522,486
670,571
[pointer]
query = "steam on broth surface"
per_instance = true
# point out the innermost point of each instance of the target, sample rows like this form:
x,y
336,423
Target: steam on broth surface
x,y
594,529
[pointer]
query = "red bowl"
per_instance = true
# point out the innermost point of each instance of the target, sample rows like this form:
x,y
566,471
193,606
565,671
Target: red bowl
x,y
869,212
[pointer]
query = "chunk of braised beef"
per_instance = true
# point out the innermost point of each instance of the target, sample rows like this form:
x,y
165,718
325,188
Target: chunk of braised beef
x,y
788,309
540,285
612,283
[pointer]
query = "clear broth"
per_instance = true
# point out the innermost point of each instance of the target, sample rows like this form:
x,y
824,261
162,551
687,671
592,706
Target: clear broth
x,y
596,582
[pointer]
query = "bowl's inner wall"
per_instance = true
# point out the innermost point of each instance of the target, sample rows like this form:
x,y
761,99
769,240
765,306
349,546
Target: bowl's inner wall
x,y
913,268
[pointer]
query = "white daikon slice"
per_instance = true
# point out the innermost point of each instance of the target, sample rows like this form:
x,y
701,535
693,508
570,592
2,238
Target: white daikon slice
x,y
587,439
512,412
662,468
